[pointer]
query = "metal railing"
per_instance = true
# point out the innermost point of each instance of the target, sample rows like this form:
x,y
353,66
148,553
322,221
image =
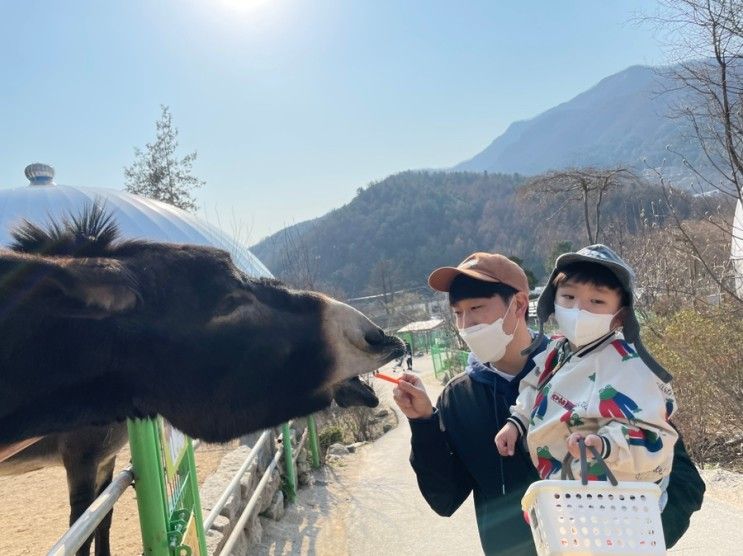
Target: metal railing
x,y
87,523
235,482
248,511
289,453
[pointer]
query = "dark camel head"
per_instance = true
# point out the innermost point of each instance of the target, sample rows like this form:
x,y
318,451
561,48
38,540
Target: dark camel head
x,y
96,330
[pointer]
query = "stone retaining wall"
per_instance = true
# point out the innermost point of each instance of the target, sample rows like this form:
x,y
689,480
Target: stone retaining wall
x,y
271,503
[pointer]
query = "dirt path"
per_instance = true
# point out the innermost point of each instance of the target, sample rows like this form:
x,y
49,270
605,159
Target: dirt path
x,y
369,504
718,527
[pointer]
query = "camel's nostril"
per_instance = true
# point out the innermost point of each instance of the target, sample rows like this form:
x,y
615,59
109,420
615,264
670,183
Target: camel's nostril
x,y
375,337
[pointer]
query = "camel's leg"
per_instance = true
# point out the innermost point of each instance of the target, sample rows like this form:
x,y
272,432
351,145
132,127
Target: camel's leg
x,y
81,475
102,533
88,455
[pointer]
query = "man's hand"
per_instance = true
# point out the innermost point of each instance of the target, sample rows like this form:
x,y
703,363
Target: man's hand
x,y
591,440
506,439
410,396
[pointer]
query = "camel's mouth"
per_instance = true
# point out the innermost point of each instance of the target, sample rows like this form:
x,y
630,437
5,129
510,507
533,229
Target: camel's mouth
x,y
355,392
397,349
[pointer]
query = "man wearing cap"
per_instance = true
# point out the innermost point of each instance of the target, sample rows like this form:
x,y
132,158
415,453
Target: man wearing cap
x,y
453,453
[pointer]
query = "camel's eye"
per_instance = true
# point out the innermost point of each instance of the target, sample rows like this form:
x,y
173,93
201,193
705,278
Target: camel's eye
x,y
232,301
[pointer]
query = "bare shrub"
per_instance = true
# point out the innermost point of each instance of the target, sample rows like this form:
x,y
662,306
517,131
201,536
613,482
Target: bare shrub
x,y
357,423
353,424
704,352
328,436
670,275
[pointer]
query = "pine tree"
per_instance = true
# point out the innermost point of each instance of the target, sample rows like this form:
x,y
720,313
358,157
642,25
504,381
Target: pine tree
x,y
157,172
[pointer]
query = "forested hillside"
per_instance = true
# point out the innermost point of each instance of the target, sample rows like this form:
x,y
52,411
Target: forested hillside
x,y
396,231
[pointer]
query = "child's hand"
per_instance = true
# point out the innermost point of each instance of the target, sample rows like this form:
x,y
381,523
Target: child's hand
x,y
591,440
506,439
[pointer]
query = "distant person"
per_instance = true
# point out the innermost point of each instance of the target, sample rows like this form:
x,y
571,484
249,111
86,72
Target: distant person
x,y
590,382
399,361
452,448
408,356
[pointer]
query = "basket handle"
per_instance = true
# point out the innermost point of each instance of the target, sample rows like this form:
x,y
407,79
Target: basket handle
x,y
567,472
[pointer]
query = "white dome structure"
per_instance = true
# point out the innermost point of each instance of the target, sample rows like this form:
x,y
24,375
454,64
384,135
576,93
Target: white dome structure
x,y
137,217
736,249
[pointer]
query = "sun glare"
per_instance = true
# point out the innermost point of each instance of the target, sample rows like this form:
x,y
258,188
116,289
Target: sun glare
x,y
243,5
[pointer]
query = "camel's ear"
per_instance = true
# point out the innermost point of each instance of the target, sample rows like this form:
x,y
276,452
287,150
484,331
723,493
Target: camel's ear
x,y
104,286
95,288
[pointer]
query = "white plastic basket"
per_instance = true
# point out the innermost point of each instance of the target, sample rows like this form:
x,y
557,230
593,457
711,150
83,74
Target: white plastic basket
x,y
581,518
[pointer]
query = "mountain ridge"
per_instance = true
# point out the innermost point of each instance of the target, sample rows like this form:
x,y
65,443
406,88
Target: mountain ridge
x,y
625,119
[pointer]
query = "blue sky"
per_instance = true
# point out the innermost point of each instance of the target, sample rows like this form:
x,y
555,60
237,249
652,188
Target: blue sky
x,y
292,104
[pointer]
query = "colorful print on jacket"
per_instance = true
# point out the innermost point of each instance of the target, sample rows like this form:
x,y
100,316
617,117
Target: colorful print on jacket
x,y
546,464
540,404
616,404
603,388
638,437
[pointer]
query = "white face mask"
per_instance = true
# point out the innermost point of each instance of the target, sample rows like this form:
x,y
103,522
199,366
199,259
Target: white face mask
x,y
488,341
582,327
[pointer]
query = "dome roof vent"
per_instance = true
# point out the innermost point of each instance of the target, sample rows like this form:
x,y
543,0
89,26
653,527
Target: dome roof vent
x,y
40,174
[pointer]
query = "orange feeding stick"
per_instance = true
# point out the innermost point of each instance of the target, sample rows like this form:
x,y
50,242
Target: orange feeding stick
x,y
387,378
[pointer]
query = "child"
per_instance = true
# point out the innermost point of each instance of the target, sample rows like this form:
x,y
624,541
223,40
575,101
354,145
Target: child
x,y
594,381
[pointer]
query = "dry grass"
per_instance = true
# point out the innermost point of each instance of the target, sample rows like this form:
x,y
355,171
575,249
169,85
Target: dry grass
x,y
703,349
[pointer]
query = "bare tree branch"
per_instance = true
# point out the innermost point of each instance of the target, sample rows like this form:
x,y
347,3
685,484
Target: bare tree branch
x,y
587,186
712,30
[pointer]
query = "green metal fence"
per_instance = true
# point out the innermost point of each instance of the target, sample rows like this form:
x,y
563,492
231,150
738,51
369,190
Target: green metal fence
x,y
424,340
167,487
291,452
447,362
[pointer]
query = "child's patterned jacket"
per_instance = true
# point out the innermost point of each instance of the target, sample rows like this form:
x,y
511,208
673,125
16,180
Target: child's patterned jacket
x,y
603,388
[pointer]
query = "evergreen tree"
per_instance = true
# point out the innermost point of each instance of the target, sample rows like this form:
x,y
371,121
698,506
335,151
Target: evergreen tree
x,y
530,277
157,172
558,249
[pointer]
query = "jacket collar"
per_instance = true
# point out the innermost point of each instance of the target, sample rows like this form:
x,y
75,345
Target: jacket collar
x,y
593,346
484,374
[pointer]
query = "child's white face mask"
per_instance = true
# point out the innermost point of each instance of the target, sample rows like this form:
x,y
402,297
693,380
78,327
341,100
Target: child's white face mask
x,y
488,341
582,327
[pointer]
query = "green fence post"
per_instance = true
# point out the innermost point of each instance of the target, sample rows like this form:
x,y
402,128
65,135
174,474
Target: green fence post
x,y
314,441
291,474
196,497
148,483
436,358
463,357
